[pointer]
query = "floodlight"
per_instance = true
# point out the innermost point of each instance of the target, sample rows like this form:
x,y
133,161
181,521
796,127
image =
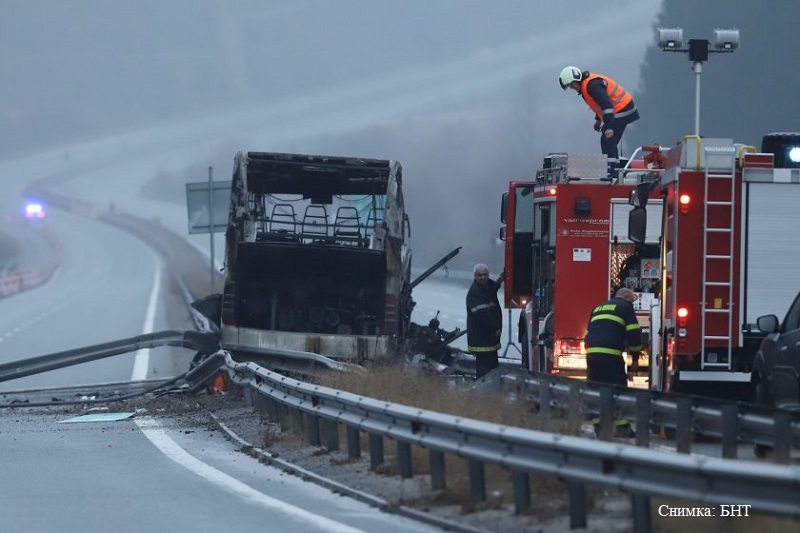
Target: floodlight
x,y
726,39
670,38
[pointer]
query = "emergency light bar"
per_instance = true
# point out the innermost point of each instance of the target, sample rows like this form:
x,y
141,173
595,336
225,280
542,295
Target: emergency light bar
x,y
785,147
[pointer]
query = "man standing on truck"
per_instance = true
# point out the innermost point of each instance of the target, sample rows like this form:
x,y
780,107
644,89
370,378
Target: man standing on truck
x,y
612,105
612,326
484,319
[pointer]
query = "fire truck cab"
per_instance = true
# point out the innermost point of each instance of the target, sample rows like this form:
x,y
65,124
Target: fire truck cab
x,y
567,249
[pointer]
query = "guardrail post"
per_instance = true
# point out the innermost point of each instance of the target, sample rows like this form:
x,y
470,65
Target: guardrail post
x,y
606,413
375,451
261,403
273,410
437,468
247,396
404,459
783,437
683,425
642,520
286,418
643,419
297,419
730,430
477,480
330,428
522,491
353,442
313,430
574,413
544,395
577,504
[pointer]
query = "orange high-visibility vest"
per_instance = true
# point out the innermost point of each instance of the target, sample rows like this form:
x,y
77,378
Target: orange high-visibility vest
x,y
619,97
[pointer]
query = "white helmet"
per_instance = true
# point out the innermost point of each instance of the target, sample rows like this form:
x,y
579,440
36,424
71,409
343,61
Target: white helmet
x,y
568,75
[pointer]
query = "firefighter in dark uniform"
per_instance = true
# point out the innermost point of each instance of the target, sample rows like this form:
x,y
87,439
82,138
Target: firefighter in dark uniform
x,y
612,328
484,320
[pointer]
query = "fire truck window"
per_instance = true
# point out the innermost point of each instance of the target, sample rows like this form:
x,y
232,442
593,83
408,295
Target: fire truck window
x,y
543,226
523,218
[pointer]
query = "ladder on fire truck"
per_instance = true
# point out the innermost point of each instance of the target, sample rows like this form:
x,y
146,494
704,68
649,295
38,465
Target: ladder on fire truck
x,y
718,233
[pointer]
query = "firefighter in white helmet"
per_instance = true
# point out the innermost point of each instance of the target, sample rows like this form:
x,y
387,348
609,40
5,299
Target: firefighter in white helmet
x,y
612,105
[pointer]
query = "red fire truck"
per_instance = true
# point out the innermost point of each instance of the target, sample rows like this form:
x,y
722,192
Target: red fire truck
x,y
567,249
729,254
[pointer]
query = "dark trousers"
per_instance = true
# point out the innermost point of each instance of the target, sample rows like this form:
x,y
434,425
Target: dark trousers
x,y
610,146
485,362
605,368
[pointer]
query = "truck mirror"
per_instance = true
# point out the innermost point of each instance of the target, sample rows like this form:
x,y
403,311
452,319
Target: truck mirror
x,y
637,225
503,203
639,194
768,323
549,323
502,233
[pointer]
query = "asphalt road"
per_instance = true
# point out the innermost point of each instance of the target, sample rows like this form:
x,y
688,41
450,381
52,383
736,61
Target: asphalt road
x,y
107,287
141,474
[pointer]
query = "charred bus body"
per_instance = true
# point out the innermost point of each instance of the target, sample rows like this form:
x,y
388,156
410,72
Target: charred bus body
x,y
316,258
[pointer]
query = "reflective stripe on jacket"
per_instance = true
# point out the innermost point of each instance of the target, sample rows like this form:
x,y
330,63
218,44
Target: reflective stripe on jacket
x,y
612,326
618,96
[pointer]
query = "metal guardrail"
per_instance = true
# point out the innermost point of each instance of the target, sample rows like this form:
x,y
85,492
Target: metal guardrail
x,y
685,415
203,342
639,471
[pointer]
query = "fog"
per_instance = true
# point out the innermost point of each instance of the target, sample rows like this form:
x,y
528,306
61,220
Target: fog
x,y
743,95
463,93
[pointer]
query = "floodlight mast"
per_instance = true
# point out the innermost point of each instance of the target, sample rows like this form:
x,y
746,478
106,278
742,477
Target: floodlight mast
x,y
671,40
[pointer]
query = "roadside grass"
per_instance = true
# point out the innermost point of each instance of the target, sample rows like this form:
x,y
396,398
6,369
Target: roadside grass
x,y
417,387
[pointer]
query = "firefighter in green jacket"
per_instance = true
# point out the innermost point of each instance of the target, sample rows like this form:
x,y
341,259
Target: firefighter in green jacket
x,y
613,328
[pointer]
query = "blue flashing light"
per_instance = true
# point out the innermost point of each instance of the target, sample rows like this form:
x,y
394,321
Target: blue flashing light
x,y
34,210
794,154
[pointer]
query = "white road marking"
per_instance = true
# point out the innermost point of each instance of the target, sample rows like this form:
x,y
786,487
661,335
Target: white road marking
x,y
141,362
156,434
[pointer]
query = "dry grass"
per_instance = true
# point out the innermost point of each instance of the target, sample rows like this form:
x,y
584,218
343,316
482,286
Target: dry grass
x,y
418,388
